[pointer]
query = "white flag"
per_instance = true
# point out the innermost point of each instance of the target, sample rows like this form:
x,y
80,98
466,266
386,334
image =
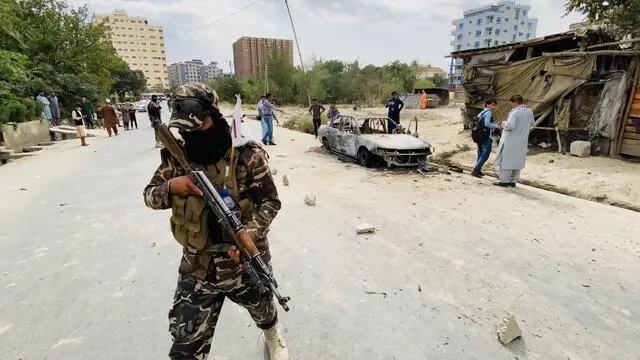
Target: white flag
x,y
239,135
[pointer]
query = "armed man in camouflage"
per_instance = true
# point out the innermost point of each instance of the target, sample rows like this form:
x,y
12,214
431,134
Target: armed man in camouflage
x,y
209,271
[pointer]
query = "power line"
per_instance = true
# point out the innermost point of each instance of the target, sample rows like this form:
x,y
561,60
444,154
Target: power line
x,y
295,36
216,20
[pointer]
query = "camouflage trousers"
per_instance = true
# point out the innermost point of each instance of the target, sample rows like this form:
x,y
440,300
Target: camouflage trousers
x,y
196,308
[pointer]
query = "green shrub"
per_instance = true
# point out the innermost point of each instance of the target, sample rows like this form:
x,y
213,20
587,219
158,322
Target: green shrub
x,y
31,109
300,123
13,111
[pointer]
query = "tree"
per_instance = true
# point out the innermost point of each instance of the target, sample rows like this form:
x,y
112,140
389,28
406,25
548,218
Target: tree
x,y
623,14
440,79
159,89
227,88
127,81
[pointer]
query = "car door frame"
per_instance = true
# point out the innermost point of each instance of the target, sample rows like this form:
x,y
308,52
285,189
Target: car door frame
x,y
346,141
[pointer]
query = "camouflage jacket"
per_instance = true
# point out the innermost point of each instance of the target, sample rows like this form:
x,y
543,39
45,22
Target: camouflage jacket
x,y
254,182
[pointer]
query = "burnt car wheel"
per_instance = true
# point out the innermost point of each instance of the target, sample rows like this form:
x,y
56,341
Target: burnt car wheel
x,y
365,157
325,143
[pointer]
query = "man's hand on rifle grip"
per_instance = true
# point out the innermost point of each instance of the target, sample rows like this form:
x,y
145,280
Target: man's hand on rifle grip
x,y
184,186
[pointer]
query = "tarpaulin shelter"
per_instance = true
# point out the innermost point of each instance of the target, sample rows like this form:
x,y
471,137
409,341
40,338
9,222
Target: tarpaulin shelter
x,y
576,91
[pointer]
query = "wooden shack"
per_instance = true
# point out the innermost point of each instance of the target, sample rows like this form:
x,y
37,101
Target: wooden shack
x,y
581,85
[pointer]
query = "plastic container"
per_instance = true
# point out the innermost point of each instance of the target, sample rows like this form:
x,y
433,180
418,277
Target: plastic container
x,y
226,197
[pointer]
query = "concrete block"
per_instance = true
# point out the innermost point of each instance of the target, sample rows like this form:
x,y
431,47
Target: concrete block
x,y
310,199
508,330
365,229
285,180
581,148
32,148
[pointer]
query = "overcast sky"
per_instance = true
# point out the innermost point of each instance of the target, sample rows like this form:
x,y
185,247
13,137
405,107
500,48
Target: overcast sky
x,y
372,31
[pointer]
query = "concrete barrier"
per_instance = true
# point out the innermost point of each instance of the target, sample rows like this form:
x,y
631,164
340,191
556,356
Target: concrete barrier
x,y
26,134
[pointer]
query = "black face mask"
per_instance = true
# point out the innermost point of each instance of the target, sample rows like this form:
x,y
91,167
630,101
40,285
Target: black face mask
x,y
209,146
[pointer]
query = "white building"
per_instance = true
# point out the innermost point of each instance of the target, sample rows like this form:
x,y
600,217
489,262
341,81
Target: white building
x,y
186,72
492,25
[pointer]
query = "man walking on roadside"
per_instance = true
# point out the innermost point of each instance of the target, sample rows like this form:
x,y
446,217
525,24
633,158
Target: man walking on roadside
x,y
109,117
512,151
260,107
208,271
267,120
316,111
481,135
87,112
394,105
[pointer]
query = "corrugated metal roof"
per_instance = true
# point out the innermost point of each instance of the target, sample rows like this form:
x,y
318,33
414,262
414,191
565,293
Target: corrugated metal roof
x,y
536,41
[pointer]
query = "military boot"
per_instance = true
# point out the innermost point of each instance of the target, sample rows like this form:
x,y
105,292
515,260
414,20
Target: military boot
x,y
275,343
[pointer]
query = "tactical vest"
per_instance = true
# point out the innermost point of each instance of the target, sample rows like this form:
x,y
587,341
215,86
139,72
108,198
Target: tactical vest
x,y
189,214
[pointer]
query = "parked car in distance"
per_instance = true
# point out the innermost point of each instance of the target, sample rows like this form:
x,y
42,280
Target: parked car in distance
x,y
141,106
367,141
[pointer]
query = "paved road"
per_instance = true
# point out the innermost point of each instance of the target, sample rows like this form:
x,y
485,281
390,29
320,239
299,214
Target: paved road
x,y
88,272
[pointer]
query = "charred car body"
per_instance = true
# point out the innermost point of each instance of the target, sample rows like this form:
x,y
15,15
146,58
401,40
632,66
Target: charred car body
x,y
367,141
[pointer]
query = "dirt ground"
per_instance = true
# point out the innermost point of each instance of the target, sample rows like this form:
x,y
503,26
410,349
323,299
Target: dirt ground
x,y
597,178
451,256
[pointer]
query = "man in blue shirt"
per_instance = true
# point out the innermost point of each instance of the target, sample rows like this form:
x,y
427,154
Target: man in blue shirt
x,y
485,118
394,105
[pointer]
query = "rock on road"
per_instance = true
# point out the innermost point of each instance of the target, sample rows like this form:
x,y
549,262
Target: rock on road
x,y
88,272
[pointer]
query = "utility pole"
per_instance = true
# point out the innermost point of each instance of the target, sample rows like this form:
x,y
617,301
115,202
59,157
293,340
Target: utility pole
x,y
230,67
295,36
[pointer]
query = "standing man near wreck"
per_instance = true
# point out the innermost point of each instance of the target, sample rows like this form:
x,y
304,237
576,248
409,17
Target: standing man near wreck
x,y
394,105
208,272
482,135
512,151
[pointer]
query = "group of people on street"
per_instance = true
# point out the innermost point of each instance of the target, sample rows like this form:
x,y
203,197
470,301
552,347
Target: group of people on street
x,y
50,107
128,115
512,148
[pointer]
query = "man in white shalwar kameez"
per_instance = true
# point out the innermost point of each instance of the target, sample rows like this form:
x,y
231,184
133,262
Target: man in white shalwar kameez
x,y
512,150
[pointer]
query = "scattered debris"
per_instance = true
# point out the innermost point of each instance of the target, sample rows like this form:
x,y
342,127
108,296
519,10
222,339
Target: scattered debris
x,y
419,288
310,199
376,293
586,285
580,149
448,180
274,171
365,229
455,168
508,330
23,189
544,145
285,180
63,204
153,245
551,161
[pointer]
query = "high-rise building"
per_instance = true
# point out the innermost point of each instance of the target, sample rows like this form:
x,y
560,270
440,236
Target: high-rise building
x,y
139,44
249,54
492,25
193,71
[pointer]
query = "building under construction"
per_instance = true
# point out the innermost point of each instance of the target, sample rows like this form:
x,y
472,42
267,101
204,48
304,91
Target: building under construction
x,y
581,85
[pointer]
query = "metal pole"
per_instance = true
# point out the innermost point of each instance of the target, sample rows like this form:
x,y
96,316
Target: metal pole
x,y
295,36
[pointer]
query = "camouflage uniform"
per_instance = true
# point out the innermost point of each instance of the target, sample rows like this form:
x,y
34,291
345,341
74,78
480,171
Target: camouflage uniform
x,y
207,275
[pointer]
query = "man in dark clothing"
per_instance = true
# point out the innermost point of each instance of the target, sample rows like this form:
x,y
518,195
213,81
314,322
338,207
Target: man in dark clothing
x,y
394,105
208,271
316,111
153,109
55,109
87,112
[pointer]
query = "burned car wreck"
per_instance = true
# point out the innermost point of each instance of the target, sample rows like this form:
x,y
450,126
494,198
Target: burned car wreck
x,y
366,140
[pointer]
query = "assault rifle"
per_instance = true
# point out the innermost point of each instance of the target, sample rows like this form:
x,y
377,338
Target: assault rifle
x,y
252,261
